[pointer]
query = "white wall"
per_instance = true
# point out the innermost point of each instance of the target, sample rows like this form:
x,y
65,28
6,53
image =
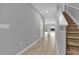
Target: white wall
x,y
61,33
24,28
61,40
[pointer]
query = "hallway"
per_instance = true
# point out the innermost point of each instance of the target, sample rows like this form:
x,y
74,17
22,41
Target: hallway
x,y
45,46
39,29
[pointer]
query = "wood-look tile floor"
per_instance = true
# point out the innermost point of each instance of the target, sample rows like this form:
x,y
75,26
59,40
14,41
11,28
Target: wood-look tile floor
x,y
44,46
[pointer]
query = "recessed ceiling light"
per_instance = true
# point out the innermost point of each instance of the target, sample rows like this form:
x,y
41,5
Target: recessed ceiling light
x,y
46,11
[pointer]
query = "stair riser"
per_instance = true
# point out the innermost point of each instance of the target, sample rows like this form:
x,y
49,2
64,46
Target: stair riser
x,y
73,30
72,27
71,23
72,47
72,38
72,35
74,41
69,20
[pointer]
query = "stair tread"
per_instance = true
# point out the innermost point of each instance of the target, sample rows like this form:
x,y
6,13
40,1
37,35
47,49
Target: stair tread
x,y
73,32
74,37
73,44
73,52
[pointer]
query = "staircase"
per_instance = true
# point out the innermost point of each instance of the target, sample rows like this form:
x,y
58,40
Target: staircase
x,y
72,36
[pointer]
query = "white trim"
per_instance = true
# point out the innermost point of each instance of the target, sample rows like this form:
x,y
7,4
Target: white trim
x,y
57,48
28,47
73,18
61,18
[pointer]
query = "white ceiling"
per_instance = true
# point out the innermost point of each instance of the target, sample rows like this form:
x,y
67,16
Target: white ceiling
x,y
48,10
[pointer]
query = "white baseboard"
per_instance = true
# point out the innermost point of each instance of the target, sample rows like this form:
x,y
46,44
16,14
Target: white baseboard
x,y
27,47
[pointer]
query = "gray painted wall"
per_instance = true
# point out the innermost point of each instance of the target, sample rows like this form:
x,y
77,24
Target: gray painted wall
x,y
73,11
62,6
24,28
74,4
